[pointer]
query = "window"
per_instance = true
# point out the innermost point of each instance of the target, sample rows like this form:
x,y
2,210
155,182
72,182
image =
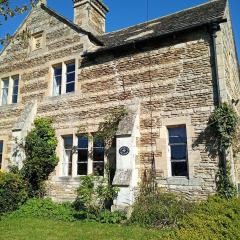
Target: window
x,y
67,156
82,164
63,78
70,82
5,90
57,80
9,90
178,151
1,153
87,157
15,89
98,156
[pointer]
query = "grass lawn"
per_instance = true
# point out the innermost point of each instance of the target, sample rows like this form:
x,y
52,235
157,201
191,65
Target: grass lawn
x,y
38,229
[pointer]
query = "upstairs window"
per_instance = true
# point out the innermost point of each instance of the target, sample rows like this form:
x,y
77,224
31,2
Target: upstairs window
x,y
70,77
1,153
57,80
9,90
63,78
5,91
15,89
178,151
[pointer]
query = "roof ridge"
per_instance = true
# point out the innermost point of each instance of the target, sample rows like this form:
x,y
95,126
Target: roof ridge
x,y
158,18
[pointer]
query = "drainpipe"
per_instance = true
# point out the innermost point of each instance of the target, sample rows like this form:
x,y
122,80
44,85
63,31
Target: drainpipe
x,y
214,28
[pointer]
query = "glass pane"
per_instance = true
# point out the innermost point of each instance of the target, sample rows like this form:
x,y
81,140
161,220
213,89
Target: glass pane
x,y
82,142
179,169
98,154
5,83
177,135
98,168
15,90
70,87
15,82
68,142
83,155
57,71
1,146
4,96
178,152
71,67
67,162
14,98
82,169
71,77
98,142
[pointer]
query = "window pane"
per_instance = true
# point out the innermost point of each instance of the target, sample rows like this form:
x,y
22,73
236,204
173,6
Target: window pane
x,y
98,168
82,142
71,67
57,81
82,169
178,152
57,71
67,156
83,155
177,135
71,77
5,92
179,169
98,154
98,142
70,87
14,98
1,153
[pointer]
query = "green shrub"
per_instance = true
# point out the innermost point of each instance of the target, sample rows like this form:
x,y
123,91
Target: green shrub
x,y
158,209
215,219
45,208
40,145
109,217
12,192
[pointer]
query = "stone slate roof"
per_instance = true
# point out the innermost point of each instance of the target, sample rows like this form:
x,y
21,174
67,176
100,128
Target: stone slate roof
x,y
190,18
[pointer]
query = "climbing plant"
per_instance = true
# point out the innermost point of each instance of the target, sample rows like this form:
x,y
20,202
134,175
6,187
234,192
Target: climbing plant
x,y
223,124
41,160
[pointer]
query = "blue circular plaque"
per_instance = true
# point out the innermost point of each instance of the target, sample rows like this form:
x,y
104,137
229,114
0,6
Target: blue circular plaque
x,y
124,150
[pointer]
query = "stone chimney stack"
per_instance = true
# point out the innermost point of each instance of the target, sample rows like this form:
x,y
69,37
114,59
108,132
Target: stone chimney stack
x,y
90,15
42,2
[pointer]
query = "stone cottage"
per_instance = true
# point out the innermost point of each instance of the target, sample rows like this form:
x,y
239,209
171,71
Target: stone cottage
x,y
169,74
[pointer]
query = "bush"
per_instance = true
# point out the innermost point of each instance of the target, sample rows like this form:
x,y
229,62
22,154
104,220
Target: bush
x,y
41,160
158,209
12,192
45,208
216,219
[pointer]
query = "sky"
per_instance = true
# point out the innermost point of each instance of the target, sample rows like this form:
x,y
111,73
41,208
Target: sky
x,y
124,13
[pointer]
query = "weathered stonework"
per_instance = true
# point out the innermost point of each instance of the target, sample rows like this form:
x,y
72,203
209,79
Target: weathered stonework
x,y
172,80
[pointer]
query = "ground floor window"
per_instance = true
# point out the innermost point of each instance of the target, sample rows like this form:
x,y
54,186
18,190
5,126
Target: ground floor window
x,y
1,153
178,150
82,155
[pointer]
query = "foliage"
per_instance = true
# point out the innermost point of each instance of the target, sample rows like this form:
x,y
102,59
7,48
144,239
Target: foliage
x,y
109,217
12,192
156,208
108,128
216,219
44,208
40,161
223,123
95,194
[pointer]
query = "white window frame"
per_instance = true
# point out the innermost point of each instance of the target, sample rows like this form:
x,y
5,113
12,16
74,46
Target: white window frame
x,y
11,80
75,156
64,83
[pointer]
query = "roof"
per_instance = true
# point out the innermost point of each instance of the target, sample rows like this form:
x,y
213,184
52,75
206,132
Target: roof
x,y
212,11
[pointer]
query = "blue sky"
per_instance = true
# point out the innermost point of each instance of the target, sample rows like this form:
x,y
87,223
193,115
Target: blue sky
x,y
124,13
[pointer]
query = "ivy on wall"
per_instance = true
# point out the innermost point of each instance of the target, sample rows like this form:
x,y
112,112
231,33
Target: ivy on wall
x,y
224,128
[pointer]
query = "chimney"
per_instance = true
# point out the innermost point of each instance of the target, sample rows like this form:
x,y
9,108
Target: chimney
x,y
90,15
42,2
